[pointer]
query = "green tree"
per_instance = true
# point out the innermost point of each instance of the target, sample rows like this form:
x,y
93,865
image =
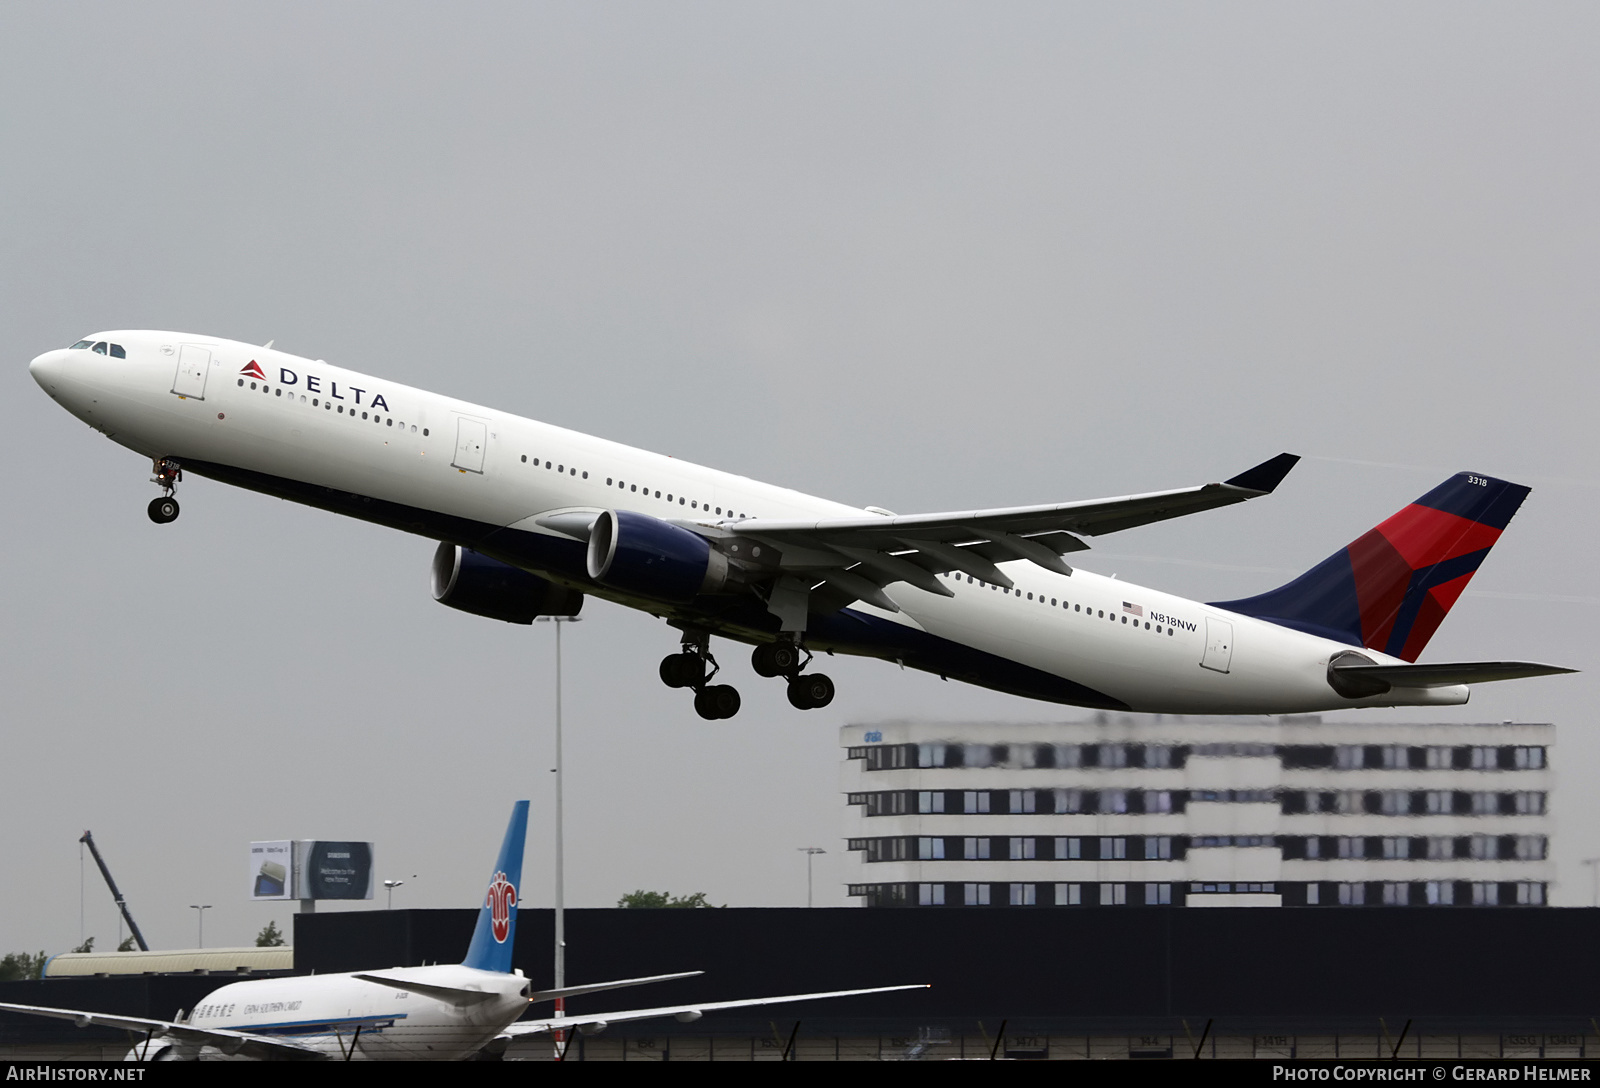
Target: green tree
x,y
127,945
642,898
86,946
270,936
15,965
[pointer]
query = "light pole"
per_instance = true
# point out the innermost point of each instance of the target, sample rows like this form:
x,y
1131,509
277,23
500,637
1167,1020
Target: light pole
x,y
200,917
810,852
560,912
1594,868
390,886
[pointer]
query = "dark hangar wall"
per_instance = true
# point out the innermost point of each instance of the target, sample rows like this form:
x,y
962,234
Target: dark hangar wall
x,y
1455,967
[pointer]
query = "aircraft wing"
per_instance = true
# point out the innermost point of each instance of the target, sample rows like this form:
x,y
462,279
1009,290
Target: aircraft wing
x,y
263,1047
857,556
595,1022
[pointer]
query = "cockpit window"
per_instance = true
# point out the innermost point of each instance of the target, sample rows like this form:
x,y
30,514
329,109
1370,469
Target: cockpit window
x,y
81,344
117,352
100,348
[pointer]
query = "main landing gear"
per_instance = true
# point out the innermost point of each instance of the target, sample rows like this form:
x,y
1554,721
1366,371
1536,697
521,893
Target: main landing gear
x,y
167,474
694,667
688,669
784,658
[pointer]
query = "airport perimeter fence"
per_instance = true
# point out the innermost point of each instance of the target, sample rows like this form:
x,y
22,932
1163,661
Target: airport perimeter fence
x,y
788,1041
943,1045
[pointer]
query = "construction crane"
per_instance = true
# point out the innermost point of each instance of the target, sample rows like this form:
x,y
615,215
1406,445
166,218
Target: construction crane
x,y
122,904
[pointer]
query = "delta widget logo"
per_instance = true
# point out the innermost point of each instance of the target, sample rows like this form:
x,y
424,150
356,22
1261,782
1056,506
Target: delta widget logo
x,y
253,370
502,898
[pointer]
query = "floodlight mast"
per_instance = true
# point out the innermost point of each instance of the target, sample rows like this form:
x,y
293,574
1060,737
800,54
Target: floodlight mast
x,y
122,904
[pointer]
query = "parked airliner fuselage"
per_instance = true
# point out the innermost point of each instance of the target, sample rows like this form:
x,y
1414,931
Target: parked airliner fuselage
x,y
323,1013
483,479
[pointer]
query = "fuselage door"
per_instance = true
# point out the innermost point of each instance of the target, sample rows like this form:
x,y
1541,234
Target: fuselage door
x,y
193,364
1219,645
471,437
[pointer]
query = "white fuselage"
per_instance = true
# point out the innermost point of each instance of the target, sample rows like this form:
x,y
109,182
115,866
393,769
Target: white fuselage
x,y
322,1012
450,470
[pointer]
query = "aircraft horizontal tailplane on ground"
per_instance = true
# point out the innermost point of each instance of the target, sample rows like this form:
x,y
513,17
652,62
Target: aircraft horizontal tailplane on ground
x,y
440,1013
532,517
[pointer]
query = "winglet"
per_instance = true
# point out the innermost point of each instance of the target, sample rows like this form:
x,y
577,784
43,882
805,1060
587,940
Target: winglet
x,y
1266,476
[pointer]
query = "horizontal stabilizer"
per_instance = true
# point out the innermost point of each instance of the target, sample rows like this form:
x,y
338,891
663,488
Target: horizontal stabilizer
x,y
450,995
1447,674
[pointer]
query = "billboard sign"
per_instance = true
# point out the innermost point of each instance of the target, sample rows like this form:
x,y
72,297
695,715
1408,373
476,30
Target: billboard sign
x,y
333,870
271,869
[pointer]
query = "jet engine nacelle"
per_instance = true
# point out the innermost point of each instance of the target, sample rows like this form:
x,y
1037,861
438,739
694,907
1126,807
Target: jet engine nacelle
x,y
487,587
640,554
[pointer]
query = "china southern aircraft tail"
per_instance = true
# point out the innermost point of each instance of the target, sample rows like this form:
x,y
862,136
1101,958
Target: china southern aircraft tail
x,y
1390,589
497,917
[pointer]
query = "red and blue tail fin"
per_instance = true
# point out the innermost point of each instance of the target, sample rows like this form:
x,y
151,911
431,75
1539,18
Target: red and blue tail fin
x,y
1390,589
497,918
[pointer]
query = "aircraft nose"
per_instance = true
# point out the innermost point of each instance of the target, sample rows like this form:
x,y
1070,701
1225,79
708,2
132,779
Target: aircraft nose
x,y
46,369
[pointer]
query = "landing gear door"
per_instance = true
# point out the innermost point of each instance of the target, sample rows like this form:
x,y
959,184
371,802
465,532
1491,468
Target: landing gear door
x,y
193,364
471,437
1219,645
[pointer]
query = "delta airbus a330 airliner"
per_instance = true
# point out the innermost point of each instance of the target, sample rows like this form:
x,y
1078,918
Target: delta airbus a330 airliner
x,y
439,1013
531,517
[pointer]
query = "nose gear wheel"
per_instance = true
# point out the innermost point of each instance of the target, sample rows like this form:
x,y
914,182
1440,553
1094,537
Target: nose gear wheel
x,y
167,473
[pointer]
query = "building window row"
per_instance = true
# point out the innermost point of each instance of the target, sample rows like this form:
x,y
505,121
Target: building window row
x,y
1430,893
1022,847
1024,802
1167,847
883,757
1426,847
1342,757
1414,802
1402,757
1069,800
1419,893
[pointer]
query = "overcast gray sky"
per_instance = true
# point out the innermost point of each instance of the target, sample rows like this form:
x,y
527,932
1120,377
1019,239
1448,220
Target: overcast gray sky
x,y
916,255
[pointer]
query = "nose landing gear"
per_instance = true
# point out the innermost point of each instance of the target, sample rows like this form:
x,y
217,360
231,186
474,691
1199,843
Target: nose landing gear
x,y
167,474
784,658
688,670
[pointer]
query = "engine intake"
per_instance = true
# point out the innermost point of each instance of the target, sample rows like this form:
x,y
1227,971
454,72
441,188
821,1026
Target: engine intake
x,y
475,583
640,554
